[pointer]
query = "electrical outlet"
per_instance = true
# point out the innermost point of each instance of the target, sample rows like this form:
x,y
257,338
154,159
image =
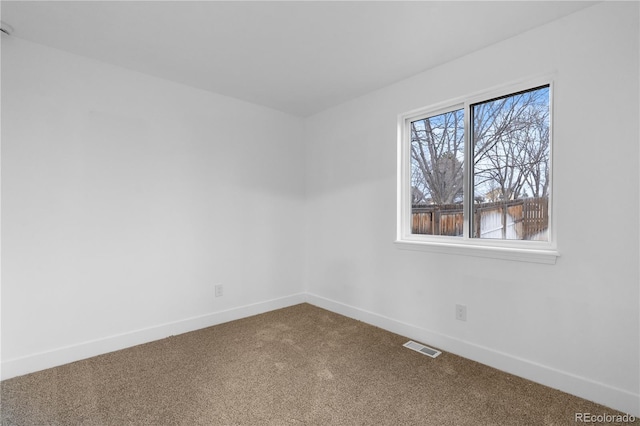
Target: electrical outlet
x,y
461,312
219,290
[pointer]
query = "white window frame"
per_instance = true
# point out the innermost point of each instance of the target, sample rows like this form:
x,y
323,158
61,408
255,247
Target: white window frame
x,y
528,251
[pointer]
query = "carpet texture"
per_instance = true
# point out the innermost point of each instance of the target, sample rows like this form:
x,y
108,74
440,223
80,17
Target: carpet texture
x,y
300,365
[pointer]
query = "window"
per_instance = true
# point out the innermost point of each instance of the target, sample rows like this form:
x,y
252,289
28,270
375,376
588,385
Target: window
x,y
474,175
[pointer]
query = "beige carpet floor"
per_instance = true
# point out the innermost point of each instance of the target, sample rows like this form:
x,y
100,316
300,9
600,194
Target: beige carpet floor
x,y
295,366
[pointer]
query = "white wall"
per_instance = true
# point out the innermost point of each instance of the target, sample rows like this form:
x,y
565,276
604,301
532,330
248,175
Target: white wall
x,y
573,325
125,198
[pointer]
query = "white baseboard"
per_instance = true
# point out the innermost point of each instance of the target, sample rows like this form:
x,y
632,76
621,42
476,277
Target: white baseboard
x,y
64,355
619,399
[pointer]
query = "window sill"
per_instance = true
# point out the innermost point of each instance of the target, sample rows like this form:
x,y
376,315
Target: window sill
x,y
533,255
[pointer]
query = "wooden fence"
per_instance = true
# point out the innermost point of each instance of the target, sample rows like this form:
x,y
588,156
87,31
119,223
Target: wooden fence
x,y
445,219
522,219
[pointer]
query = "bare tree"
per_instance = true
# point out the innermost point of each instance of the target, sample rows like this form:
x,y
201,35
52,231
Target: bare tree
x,y
537,151
511,145
510,138
436,154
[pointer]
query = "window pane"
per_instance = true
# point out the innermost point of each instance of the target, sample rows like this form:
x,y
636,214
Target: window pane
x,y
511,166
437,158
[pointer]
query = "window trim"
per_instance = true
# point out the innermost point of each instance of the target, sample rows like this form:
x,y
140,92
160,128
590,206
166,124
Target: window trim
x,y
517,250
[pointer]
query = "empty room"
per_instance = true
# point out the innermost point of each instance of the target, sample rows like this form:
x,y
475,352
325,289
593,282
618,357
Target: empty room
x,y
310,212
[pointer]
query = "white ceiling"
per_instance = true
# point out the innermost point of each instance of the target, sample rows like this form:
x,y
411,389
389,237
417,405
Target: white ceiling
x,y
297,57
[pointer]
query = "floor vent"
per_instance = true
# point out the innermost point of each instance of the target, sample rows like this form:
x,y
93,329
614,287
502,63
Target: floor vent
x,y
422,349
